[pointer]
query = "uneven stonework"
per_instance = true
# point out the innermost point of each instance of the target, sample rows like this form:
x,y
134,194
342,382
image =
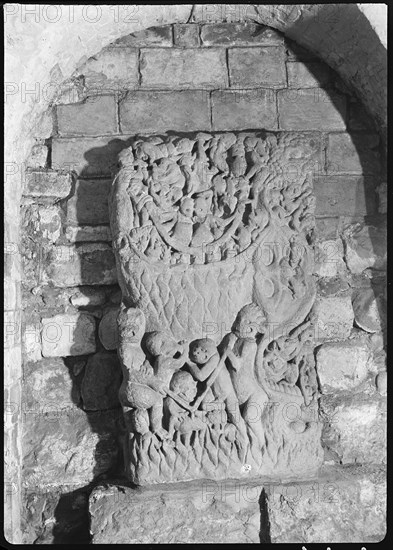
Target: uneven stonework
x,y
213,242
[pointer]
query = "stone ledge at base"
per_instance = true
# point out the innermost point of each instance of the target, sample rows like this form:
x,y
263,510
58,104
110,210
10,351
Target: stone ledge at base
x,y
344,504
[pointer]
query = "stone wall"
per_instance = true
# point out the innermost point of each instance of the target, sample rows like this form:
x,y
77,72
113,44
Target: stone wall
x,y
185,78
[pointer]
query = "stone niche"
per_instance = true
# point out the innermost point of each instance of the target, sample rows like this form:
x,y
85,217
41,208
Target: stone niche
x,y
213,240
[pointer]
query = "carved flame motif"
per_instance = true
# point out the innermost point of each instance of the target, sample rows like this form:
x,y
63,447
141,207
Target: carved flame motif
x,y
213,236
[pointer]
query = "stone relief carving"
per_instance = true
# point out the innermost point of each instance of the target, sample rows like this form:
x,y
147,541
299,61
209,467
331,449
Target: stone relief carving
x,y
213,243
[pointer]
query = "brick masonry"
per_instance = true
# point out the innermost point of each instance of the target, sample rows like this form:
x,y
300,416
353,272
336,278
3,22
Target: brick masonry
x,y
186,78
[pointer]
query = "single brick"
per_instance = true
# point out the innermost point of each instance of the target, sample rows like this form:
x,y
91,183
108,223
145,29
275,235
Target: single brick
x,y
87,156
155,112
89,204
186,35
257,66
112,69
94,116
344,196
353,154
87,264
240,34
307,75
48,184
153,36
38,157
64,335
244,109
311,109
88,233
342,366
162,68
333,318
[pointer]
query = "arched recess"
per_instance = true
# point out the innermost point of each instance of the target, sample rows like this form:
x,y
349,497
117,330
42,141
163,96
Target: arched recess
x,y
47,43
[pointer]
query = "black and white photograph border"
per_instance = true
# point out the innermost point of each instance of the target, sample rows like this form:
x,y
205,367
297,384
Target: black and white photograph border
x,y
195,292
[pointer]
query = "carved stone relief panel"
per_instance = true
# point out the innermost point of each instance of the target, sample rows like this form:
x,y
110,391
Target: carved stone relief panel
x,y
213,243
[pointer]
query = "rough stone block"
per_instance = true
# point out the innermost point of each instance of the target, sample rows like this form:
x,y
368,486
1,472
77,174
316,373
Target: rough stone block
x,y
329,258
370,310
88,233
112,69
342,366
311,109
68,447
334,318
64,335
108,331
38,157
153,36
101,382
154,112
205,512
89,203
344,196
353,154
257,67
95,116
382,192
327,228
32,342
355,428
87,156
307,75
87,296
240,34
86,264
50,223
343,505
191,68
365,247
237,110
186,35
48,184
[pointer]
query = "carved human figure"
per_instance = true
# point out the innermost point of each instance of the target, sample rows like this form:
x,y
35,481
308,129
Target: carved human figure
x,y
240,347
169,355
140,389
181,222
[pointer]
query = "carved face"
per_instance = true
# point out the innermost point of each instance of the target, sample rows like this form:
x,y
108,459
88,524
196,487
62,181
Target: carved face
x,y
249,322
132,325
184,385
202,350
201,208
187,207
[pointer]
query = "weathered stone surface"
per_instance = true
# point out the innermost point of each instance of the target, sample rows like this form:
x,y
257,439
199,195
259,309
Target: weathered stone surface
x,y
87,156
259,67
50,223
365,247
161,111
298,53
186,35
32,342
353,154
343,505
311,109
95,116
89,203
64,335
329,258
67,446
88,296
334,318
327,228
382,192
240,34
307,75
86,264
108,331
101,382
342,366
344,196
205,512
237,110
38,157
153,36
113,69
370,310
355,428
48,184
359,119
194,68
381,383
88,233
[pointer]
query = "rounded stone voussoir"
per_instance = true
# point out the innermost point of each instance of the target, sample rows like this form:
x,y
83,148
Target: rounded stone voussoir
x,y
108,331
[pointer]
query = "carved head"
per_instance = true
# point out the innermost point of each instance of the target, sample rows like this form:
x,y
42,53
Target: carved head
x,y
160,343
187,207
249,322
201,350
140,421
183,384
132,324
201,207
